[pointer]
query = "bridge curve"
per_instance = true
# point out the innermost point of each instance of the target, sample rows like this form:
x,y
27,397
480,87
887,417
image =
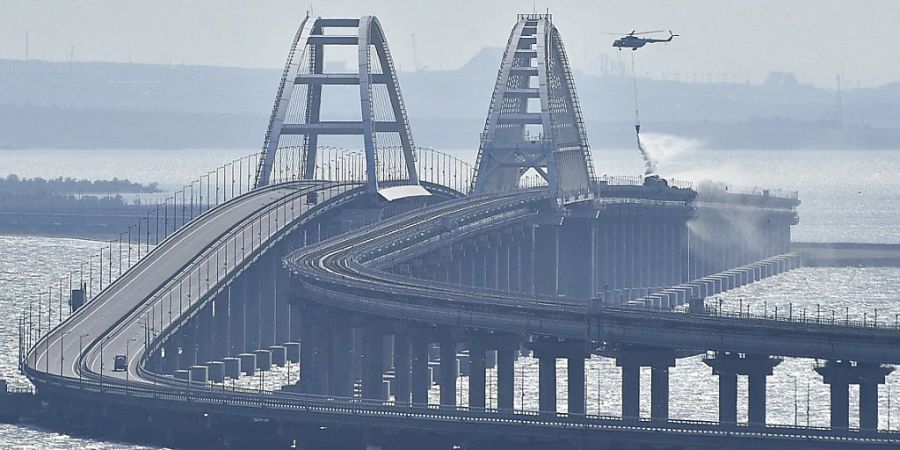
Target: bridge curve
x,y
424,266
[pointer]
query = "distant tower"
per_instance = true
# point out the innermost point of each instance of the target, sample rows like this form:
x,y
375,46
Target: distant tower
x,y
534,123
384,128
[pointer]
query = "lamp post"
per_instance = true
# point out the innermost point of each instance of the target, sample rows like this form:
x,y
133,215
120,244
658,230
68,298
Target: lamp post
x,y
81,352
61,345
127,362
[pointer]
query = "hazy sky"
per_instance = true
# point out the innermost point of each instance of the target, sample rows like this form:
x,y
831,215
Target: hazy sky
x,y
745,39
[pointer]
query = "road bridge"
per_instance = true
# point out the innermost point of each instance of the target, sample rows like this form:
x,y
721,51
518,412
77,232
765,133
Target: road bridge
x,y
373,269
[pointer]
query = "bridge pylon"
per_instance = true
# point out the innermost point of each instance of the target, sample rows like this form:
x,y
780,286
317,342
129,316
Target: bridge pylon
x,y
534,124
296,119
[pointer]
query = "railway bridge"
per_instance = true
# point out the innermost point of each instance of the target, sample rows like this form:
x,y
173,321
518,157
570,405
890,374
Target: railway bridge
x,y
387,272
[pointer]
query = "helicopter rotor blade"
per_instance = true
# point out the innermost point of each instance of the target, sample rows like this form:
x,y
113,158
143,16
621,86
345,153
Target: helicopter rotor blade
x,y
648,32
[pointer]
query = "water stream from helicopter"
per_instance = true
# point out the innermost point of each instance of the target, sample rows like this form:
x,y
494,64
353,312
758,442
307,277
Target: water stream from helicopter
x,y
649,166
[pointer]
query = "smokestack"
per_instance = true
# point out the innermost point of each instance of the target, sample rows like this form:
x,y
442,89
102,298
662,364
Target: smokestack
x,y
26,44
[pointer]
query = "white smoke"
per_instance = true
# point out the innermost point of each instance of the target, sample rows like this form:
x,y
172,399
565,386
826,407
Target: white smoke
x,y
663,150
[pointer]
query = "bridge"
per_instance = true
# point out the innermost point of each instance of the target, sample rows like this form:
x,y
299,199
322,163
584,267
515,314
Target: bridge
x,y
390,270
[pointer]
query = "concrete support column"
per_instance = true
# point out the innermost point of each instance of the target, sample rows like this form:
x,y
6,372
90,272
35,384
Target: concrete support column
x,y
868,405
236,326
547,384
505,379
756,398
840,405
476,375
203,334
252,310
546,261
576,259
491,263
631,390
631,359
420,381
727,366
727,397
526,260
402,362
340,356
267,302
645,255
467,268
480,269
659,392
515,264
449,372
282,298
839,375
454,274
373,363
503,264
629,254
220,338
575,386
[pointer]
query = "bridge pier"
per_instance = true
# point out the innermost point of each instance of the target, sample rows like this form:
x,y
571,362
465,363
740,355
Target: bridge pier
x,y
373,362
204,330
402,367
340,382
547,351
252,322
545,259
282,297
839,375
576,258
237,304
266,278
477,377
728,366
631,359
220,339
449,371
420,381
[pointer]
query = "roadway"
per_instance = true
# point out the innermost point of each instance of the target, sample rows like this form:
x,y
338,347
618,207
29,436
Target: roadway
x,y
163,287
350,272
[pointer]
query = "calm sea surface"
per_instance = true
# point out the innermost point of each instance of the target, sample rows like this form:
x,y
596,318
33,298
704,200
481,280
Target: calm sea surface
x,y
848,196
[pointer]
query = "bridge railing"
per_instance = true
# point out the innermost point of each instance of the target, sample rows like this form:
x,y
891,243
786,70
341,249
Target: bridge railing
x,y
804,316
718,188
638,180
260,228
227,396
348,164
49,307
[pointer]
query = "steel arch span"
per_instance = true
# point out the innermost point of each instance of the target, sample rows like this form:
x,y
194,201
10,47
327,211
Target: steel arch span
x,y
296,119
534,122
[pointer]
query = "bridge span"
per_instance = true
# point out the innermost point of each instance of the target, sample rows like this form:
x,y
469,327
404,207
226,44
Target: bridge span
x,y
380,285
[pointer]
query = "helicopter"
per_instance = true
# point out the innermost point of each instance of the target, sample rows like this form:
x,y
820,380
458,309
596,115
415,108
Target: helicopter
x,y
634,42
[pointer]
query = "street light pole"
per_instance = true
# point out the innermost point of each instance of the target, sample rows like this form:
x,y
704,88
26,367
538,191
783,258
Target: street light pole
x,y
61,345
127,362
81,352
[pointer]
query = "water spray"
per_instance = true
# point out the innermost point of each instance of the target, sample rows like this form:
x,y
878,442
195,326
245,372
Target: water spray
x,y
649,166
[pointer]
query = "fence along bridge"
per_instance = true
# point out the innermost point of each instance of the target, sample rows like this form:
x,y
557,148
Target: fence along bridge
x,y
380,271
